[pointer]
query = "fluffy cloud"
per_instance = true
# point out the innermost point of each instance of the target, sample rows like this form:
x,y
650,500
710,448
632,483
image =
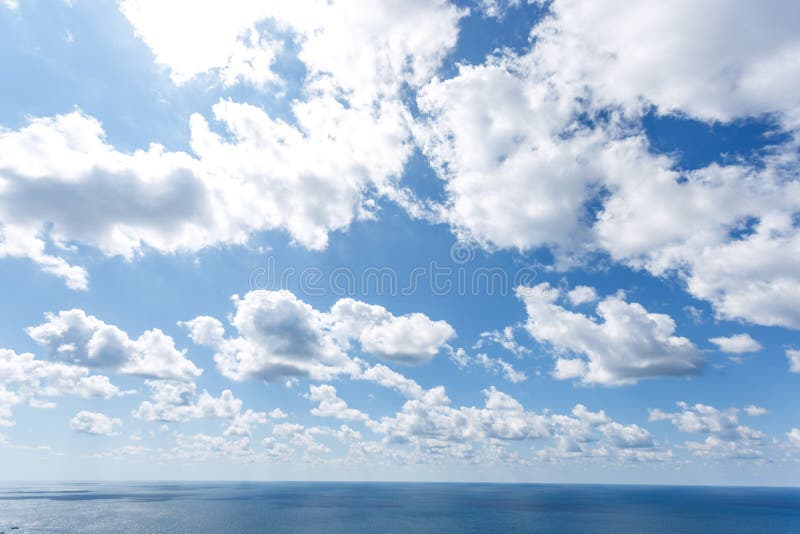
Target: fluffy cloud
x,y
94,423
24,379
755,411
626,345
280,336
222,40
546,148
61,183
734,244
794,360
79,339
388,378
364,48
330,405
581,295
435,428
177,401
495,135
726,437
493,365
737,344
173,401
794,437
725,55
202,447
412,338
505,338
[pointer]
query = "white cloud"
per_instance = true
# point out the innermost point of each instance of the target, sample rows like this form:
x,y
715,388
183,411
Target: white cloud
x,y
60,180
192,39
794,360
412,338
330,405
435,429
505,338
493,365
500,365
794,437
755,411
388,378
281,336
173,401
363,48
24,379
94,423
746,277
571,173
77,338
737,344
626,345
499,121
202,447
582,295
726,55
726,437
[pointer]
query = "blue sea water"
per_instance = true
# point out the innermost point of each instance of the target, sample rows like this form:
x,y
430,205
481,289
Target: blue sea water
x,y
356,508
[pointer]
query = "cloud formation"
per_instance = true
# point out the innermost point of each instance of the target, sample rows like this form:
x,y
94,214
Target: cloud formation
x,y
76,338
625,344
94,423
280,336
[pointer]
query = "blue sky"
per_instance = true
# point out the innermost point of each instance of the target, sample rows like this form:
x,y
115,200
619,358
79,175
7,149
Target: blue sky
x,y
607,198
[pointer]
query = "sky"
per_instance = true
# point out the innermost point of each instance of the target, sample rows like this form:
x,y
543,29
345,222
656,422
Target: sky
x,y
489,240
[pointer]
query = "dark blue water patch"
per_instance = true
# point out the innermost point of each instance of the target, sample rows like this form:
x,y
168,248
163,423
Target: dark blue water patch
x,y
696,144
397,507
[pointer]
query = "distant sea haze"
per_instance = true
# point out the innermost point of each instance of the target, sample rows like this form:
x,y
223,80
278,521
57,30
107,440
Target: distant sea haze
x,y
354,508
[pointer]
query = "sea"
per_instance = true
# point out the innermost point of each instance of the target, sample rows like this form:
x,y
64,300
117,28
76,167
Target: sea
x,y
354,508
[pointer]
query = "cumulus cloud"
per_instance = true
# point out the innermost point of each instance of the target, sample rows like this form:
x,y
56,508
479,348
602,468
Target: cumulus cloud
x,y
794,437
755,411
434,428
79,339
558,130
726,437
174,401
582,295
388,378
27,380
725,71
412,338
793,356
624,345
365,48
94,423
280,336
61,182
225,41
330,405
737,344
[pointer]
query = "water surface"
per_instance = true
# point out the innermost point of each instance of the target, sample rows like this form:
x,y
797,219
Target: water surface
x,y
354,508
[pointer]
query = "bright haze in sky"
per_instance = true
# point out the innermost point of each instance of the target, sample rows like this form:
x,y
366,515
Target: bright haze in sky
x,y
400,240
